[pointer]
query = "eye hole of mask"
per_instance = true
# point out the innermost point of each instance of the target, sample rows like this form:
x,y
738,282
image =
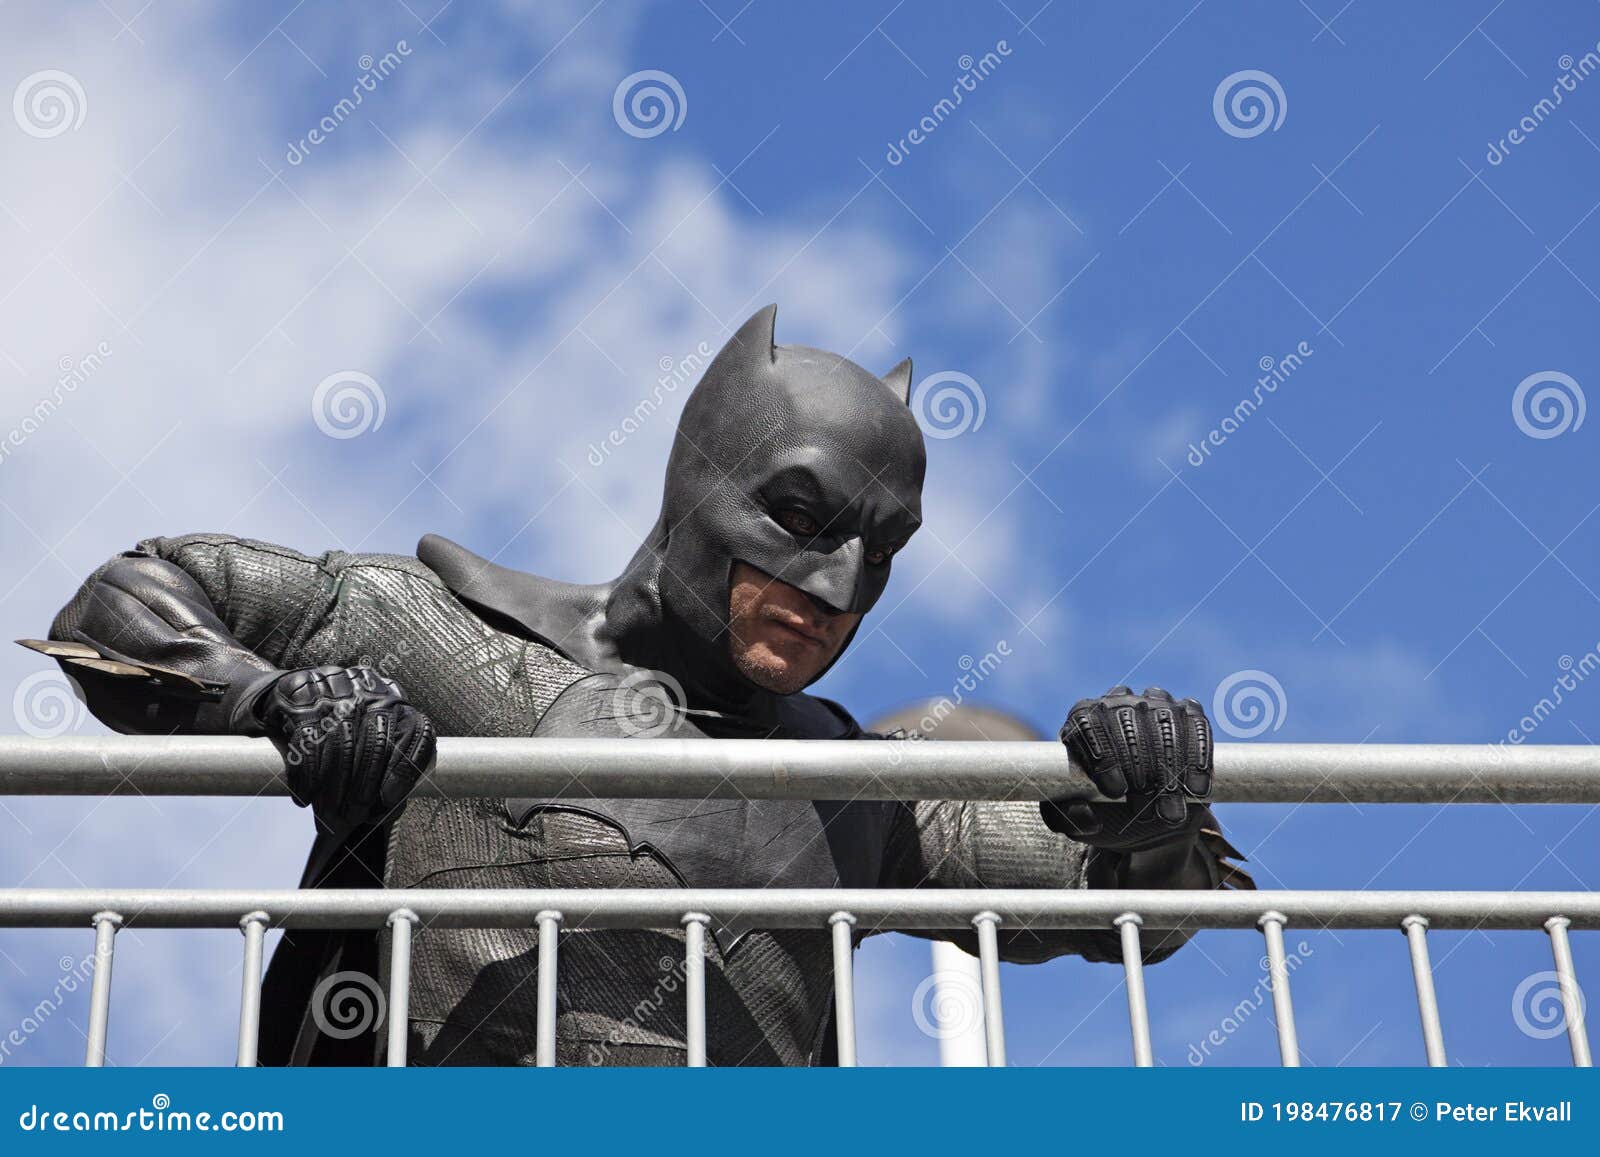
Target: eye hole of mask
x,y
806,526
797,522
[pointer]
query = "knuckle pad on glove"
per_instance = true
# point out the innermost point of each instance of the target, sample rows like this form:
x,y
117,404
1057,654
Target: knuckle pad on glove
x,y
1197,769
1129,747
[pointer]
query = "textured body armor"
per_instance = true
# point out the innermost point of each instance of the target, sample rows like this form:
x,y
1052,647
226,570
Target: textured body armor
x,y
620,998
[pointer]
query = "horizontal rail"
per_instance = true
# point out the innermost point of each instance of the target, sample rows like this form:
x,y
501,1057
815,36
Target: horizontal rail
x,y
877,908
797,769
843,911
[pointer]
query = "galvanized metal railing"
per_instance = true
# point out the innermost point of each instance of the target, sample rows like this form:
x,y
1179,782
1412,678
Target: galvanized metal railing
x,y
814,770
806,769
988,911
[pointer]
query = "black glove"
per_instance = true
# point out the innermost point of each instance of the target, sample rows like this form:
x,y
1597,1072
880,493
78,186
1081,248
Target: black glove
x,y
1149,752
352,745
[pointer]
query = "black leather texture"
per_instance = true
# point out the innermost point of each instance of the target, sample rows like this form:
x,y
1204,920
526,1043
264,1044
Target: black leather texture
x,y
1150,752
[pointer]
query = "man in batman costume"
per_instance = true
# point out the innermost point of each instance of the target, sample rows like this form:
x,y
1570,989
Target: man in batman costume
x,y
794,478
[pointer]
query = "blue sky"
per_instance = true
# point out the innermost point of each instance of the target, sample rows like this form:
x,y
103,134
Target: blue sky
x,y
1082,238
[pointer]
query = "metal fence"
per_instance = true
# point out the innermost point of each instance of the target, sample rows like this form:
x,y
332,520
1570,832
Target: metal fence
x,y
698,769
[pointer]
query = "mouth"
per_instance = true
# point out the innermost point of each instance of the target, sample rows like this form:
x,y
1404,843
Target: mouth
x,y
797,628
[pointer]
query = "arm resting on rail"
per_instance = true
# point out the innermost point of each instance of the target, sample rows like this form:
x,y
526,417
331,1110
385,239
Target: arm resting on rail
x,y
978,844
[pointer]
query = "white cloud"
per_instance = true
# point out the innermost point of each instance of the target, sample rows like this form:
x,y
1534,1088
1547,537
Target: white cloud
x,y
513,303
225,293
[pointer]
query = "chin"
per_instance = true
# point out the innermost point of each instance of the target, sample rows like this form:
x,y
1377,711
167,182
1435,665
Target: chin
x,y
772,672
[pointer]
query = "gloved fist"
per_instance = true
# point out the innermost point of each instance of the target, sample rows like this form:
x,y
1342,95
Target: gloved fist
x,y
352,745
1149,752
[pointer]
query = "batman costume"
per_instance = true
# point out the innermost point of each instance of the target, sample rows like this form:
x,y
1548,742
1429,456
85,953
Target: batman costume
x,y
351,661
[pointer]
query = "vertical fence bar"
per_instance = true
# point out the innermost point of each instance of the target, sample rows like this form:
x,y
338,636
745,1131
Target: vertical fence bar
x,y
254,927
401,922
105,931
844,985
1571,994
694,974
544,1046
1271,924
955,979
1133,968
994,1029
1416,929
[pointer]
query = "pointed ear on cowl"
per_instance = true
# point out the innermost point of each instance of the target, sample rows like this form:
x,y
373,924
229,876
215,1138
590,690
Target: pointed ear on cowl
x,y
754,338
899,381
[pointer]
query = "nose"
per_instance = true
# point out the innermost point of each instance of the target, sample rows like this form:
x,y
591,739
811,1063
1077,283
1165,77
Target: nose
x,y
834,586
822,605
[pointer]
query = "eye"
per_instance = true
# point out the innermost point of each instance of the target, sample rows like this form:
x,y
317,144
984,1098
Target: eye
x,y
798,523
879,555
